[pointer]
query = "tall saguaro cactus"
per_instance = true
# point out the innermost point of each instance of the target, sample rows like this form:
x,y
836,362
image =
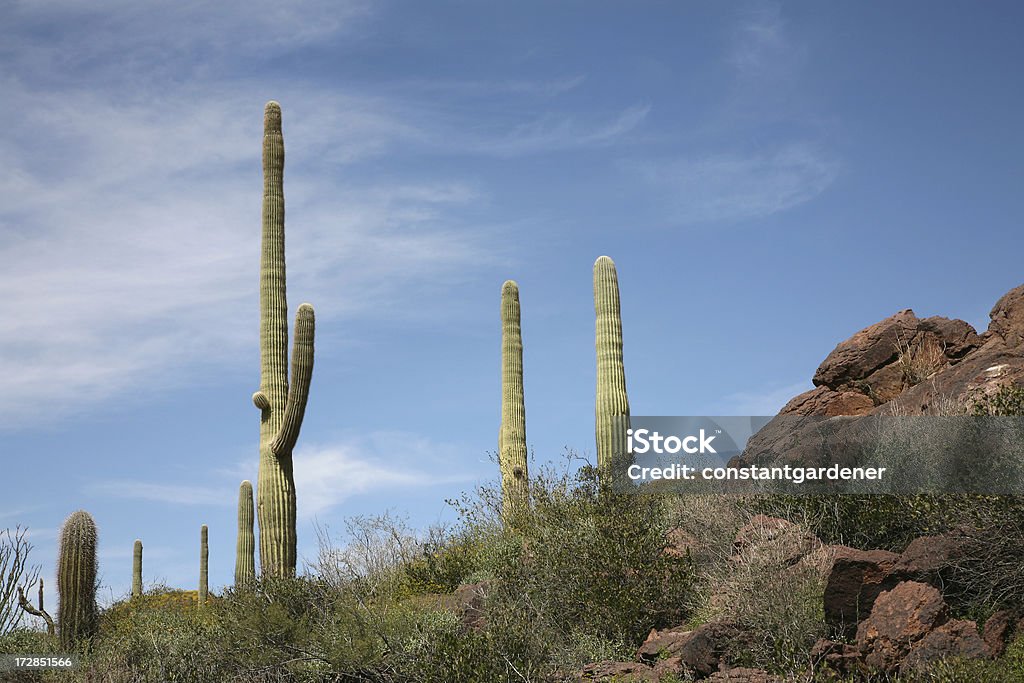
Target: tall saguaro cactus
x,y
281,404
512,436
137,570
76,579
245,561
612,402
204,564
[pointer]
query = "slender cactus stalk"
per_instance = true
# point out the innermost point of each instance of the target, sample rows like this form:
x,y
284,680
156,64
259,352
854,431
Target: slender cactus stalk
x,y
612,403
281,405
204,565
137,570
245,561
512,453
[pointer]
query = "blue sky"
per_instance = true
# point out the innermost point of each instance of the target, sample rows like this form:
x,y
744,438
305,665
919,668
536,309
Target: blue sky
x,y
769,179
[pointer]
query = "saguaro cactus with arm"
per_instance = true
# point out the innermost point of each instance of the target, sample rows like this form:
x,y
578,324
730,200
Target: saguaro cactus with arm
x,y
612,403
512,436
282,405
245,561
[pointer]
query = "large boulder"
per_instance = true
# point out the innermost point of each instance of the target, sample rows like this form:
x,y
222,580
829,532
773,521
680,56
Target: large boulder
x,y
1007,318
855,581
902,364
880,360
699,651
900,618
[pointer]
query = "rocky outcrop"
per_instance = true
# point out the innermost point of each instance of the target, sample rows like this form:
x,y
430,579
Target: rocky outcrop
x,y
916,366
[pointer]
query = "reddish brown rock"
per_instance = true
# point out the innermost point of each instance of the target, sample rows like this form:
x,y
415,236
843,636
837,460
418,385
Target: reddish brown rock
x,y
660,644
952,639
855,581
824,401
900,618
618,672
926,556
469,602
679,543
744,675
866,352
669,666
703,652
1007,318
1000,629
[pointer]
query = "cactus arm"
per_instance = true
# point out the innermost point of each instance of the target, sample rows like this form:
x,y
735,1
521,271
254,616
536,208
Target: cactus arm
x,y
298,392
40,612
260,400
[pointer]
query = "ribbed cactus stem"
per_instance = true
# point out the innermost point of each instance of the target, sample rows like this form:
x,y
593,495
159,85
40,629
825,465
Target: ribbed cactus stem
x,y
76,579
512,436
245,561
204,564
612,404
281,406
137,570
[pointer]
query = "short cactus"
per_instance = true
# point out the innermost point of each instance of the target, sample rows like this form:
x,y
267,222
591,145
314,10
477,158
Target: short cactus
x,y
512,452
204,565
137,570
282,405
245,561
612,402
76,579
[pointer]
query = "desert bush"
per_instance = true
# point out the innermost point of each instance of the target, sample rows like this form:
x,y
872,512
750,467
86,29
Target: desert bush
x,y
582,571
15,573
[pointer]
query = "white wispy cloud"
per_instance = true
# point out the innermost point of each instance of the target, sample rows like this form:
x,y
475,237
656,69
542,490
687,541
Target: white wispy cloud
x,y
134,249
733,187
760,46
381,461
552,132
175,494
326,474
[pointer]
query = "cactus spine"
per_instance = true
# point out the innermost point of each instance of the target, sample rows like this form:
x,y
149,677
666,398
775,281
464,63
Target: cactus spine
x,y
245,561
512,435
612,403
204,564
76,579
137,570
281,405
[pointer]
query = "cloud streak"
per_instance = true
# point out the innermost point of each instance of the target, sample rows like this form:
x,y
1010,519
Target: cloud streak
x,y
735,187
